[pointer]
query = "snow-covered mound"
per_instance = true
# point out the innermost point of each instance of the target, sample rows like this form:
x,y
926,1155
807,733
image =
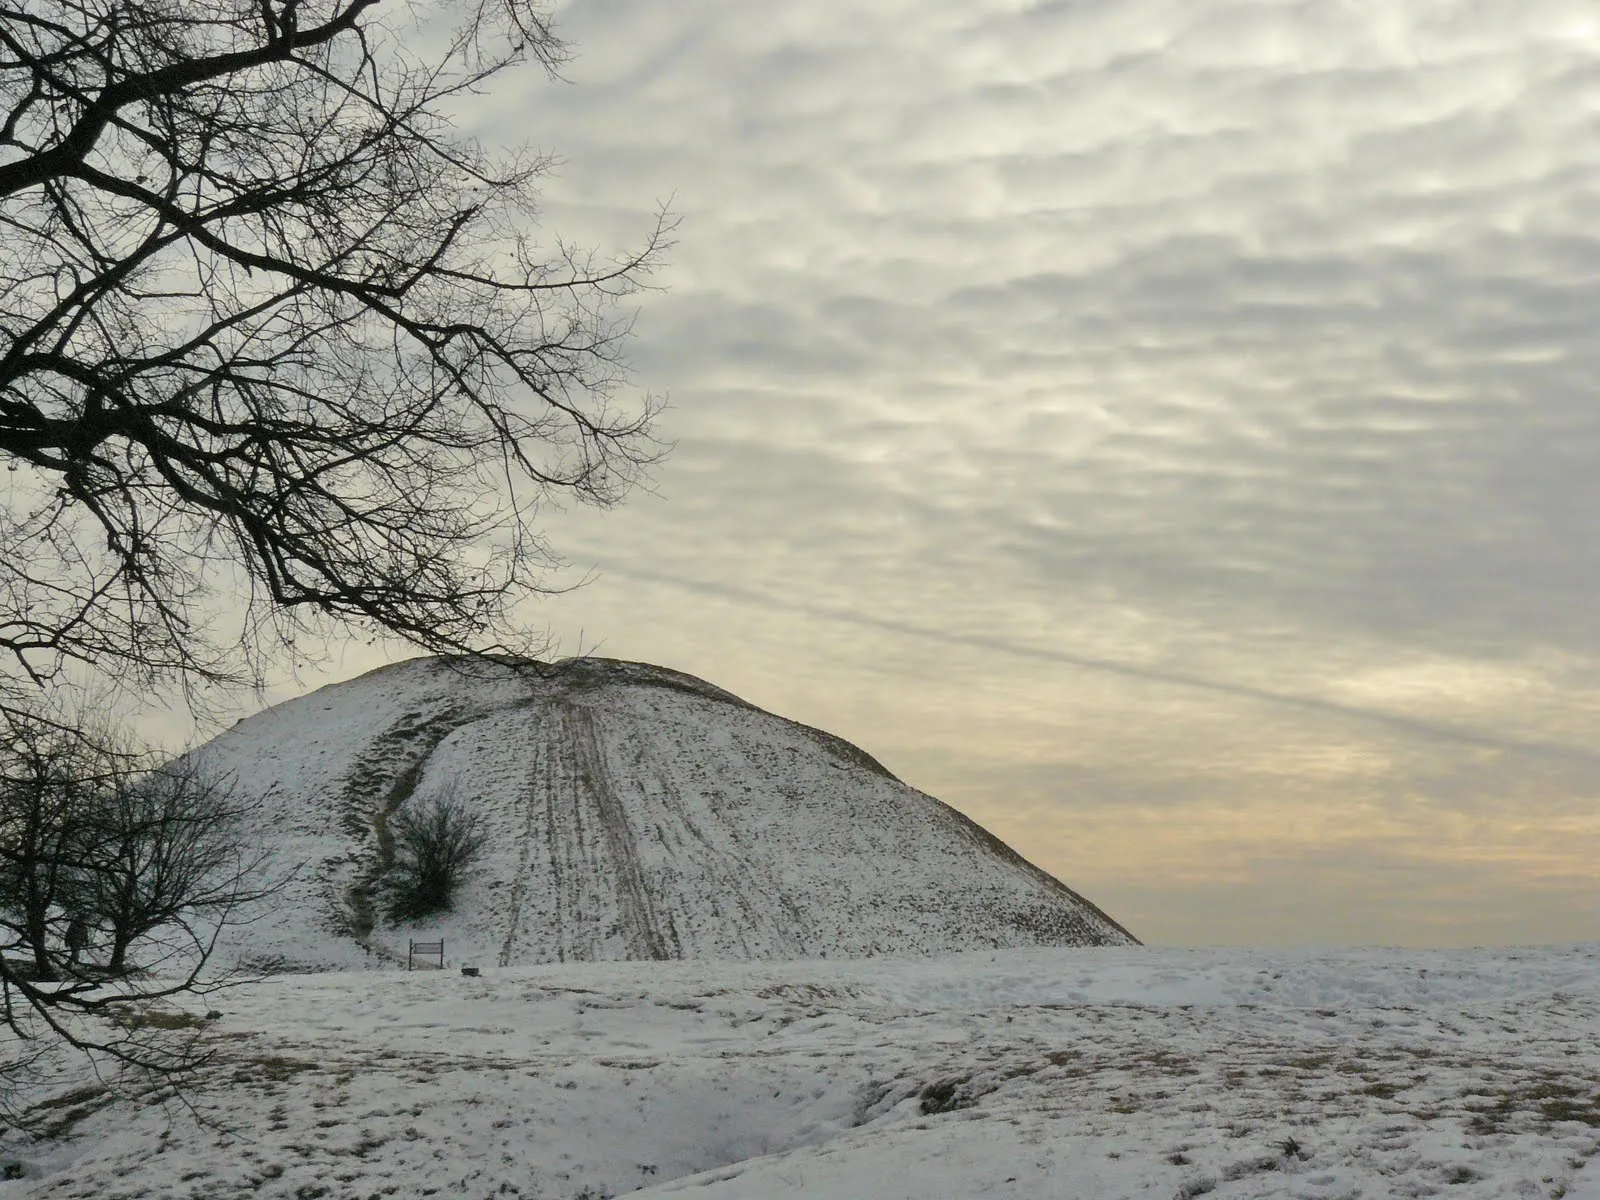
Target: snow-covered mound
x,y
632,812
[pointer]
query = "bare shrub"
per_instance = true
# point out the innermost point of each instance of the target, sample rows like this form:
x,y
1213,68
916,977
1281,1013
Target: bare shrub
x,y
436,845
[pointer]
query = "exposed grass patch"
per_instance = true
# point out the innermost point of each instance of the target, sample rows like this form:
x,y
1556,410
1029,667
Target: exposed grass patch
x,y
1308,1062
948,1095
1170,1063
150,1018
1549,1101
68,1099
270,1068
58,1116
1253,1166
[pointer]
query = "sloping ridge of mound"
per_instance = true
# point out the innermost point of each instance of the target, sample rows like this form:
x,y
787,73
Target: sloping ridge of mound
x,y
632,811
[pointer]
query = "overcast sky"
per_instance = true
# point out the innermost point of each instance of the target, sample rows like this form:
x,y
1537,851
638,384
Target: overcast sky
x,y
1166,430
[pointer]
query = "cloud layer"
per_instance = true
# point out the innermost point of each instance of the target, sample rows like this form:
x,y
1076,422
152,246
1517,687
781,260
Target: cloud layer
x,y
1166,430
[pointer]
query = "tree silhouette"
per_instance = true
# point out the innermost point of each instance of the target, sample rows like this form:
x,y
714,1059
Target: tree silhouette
x,y
271,327
281,352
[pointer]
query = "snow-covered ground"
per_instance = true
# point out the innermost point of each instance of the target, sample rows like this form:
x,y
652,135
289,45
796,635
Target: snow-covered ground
x,y
1094,1073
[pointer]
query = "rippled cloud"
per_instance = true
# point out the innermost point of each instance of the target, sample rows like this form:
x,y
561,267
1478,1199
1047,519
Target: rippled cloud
x,y
1104,408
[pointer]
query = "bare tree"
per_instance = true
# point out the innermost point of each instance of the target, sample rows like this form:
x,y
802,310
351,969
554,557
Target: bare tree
x,y
90,837
164,848
269,323
47,776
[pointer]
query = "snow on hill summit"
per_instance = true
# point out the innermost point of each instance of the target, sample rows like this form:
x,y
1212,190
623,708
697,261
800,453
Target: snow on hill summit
x,y
633,812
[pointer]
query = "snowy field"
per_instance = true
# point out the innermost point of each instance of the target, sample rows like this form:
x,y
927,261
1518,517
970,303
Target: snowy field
x,y
1094,1073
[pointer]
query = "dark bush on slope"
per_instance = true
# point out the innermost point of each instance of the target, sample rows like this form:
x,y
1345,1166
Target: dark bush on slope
x,y
435,847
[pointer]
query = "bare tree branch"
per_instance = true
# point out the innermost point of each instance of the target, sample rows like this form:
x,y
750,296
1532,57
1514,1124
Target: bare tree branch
x,y
270,326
